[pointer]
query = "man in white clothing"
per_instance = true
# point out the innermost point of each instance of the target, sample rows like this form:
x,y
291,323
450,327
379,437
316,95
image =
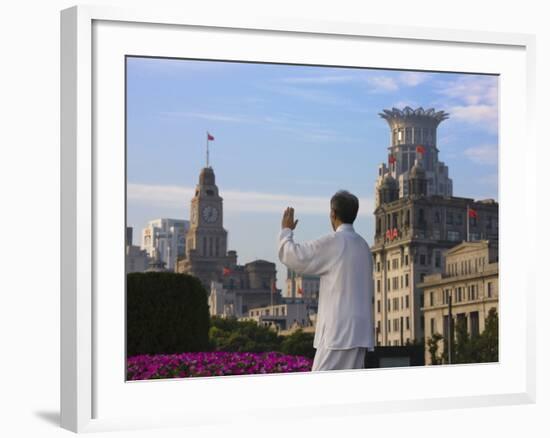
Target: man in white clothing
x,y
343,260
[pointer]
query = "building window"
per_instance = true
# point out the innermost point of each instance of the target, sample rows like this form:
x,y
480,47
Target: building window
x,y
406,280
389,288
437,259
389,326
407,326
431,298
378,266
401,282
406,260
395,264
453,236
378,306
389,305
474,323
204,246
407,301
449,220
396,304
437,219
489,290
377,285
388,265
422,259
432,326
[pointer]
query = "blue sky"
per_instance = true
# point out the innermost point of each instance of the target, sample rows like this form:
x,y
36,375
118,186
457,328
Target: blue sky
x,y
289,135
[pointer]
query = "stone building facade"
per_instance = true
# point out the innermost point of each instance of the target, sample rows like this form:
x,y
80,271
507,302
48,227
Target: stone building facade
x,y
206,252
233,288
413,227
304,288
137,259
409,129
283,316
469,281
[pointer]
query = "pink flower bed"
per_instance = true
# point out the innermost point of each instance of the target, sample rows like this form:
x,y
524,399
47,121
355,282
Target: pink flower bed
x,y
217,363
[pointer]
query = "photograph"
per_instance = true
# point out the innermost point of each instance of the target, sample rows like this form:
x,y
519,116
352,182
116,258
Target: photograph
x,y
285,218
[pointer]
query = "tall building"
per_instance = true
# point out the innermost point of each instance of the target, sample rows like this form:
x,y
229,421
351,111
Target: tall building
x,y
244,287
304,288
409,129
470,282
206,243
415,224
137,259
164,239
233,288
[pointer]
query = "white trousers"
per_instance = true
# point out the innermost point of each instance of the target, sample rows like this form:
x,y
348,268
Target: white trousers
x,y
326,359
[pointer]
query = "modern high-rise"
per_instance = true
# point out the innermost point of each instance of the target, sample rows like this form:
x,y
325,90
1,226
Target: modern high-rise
x,y
164,239
415,222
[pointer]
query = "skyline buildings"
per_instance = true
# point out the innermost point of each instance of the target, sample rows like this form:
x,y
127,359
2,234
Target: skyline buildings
x,y
287,134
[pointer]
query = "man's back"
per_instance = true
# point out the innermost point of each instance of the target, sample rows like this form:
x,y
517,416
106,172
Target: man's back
x,y
344,263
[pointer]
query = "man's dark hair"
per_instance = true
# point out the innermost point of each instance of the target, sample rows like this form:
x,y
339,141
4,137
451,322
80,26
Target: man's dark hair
x,y
345,206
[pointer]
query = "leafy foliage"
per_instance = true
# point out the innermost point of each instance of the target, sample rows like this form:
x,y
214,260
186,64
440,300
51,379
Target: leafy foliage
x,y
467,348
299,343
229,334
166,313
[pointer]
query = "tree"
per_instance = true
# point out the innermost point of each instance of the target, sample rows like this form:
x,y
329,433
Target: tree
x,y
468,348
230,334
299,343
433,346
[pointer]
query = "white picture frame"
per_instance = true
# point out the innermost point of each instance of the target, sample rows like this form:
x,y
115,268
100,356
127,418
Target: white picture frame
x,y
92,396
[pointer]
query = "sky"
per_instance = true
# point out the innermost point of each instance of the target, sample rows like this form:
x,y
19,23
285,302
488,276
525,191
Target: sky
x,y
288,135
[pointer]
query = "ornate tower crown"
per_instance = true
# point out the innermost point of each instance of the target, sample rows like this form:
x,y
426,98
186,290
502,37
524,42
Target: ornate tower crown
x,y
413,139
413,126
396,115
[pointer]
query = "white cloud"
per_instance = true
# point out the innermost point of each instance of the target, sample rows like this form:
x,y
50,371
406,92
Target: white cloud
x,y
218,117
312,95
473,100
235,200
413,78
328,79
382,83
472,90
483,154
483,115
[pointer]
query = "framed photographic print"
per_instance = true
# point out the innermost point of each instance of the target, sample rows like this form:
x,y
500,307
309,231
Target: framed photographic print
x,y
185,139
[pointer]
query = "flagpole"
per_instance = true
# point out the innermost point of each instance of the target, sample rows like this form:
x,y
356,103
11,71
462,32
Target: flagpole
x,y
467,222
207,158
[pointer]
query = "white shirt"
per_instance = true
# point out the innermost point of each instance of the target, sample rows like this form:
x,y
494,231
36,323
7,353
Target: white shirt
x,y
343,260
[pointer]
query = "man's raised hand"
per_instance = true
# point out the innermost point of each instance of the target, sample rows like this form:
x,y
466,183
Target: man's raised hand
x,y
288,219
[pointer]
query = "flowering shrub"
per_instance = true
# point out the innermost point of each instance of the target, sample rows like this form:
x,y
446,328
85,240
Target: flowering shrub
x,y
217,363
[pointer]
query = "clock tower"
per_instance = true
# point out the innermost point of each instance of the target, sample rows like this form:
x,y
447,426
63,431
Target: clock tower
x,y
206,242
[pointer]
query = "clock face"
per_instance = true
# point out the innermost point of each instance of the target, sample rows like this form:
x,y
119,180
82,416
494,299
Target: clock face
x,y
210,214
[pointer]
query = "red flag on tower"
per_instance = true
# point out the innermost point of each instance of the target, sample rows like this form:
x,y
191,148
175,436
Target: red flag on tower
x,y
227,271
391,159
472,212
210,137
420,149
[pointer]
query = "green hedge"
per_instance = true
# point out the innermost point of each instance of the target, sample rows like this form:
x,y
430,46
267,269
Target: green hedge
x,y
165,313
